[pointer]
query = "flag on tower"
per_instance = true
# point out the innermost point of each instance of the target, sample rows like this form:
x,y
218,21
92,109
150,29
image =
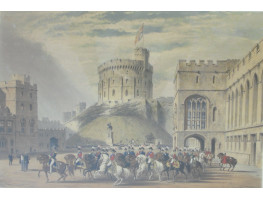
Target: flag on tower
x,y
139,35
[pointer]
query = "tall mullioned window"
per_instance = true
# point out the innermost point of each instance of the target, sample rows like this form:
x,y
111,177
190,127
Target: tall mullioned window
x,y
196,113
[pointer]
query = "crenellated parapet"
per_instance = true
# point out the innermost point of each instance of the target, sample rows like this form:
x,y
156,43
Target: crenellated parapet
x,y
219,65
116,64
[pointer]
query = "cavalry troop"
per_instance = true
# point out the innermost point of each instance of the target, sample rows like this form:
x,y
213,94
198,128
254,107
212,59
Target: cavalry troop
x,y
128,164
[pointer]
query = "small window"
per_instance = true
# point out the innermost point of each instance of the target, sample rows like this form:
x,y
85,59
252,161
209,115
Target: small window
x,y
214,114
31,95
9,126
22,106
31,107
113,92
112,82
137,92
22,93
197,79
126,92
2,126
214,78
126,81
249,55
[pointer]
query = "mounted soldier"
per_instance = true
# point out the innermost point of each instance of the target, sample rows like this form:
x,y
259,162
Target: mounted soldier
x,y
97,155
150,156
78,161
125,153
141,151
166,153
131,151
52,161
113,154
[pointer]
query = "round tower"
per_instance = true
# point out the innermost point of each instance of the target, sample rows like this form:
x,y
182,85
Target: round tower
x,y
122,80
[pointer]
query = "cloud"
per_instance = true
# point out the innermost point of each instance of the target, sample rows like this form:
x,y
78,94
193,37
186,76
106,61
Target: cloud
x,y
81,41
107,33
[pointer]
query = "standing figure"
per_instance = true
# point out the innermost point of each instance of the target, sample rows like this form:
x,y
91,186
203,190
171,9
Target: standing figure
x,y
52,160
26,161
10,158
22,162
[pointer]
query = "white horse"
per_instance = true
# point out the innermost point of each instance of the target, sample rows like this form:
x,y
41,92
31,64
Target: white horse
x,y
143,166
119,172
104,160
158,168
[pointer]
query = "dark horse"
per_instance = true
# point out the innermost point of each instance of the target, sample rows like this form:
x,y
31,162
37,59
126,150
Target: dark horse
x,y
229,160
128,161
91,165
60,167
177,167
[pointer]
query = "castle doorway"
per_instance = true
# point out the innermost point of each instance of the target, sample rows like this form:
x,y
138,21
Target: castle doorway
x,y
53,144
195,141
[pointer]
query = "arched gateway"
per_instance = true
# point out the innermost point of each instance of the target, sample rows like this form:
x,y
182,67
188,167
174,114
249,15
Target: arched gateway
x,y
198,123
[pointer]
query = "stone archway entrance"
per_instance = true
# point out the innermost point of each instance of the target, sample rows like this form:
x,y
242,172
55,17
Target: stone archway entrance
x,y
197,137
53,143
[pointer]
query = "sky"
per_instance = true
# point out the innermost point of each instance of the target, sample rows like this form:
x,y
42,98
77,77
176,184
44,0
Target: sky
x,y
62,50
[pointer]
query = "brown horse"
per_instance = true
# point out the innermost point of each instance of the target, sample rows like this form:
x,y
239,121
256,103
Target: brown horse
x,y
229,160
70,161
60,167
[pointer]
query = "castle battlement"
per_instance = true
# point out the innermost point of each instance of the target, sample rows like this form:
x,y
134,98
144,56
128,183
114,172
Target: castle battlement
x,y
221,65
18,81
116,64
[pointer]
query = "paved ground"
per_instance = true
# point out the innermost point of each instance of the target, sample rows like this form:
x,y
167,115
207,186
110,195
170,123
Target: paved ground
x,y
243,176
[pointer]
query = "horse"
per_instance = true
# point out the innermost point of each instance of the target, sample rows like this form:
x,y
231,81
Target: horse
x,y
142,165
177,166
195,168
128,161
60,167
91,165
229,160
120,173
103,164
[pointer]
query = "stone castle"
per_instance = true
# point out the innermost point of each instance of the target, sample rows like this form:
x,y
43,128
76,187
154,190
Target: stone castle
x,y
19,131
220,105
122,80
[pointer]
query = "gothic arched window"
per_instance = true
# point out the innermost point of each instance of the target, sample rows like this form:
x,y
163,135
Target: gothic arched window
x,y
196,113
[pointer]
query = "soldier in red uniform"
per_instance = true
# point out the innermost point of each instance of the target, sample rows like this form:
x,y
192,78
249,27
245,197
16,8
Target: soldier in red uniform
x,y
150,156
112,156
224,159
